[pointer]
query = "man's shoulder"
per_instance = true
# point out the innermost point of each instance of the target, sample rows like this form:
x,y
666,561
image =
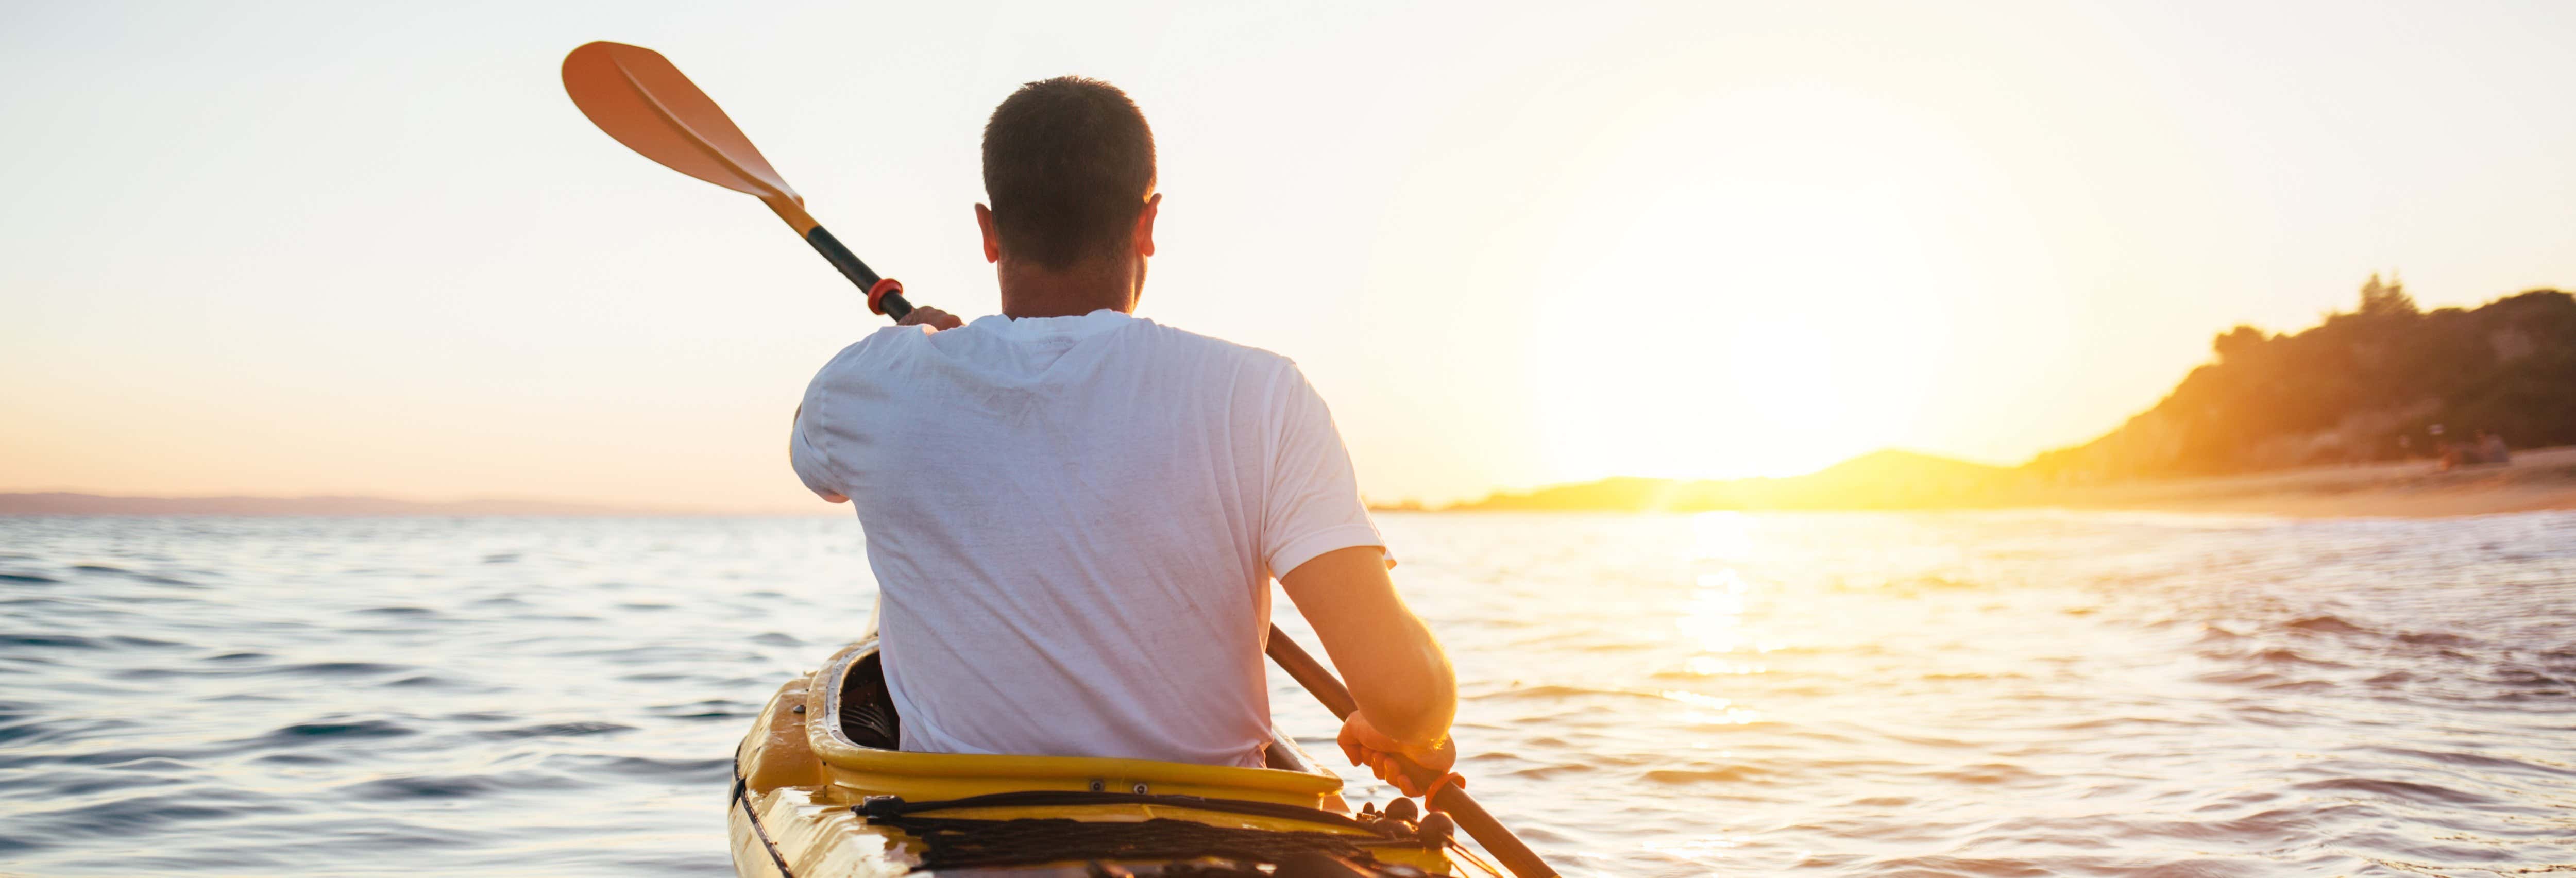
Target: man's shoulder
x,y
1209,346
886,341
870,355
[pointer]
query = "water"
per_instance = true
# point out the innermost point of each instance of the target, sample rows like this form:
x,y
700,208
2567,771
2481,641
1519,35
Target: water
x,y
1975,694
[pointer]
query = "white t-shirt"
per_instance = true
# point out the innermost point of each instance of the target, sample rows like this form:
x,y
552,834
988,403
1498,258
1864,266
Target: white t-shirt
x,y
1073,523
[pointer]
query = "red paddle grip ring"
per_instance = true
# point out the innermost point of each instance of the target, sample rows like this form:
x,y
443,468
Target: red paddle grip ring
x,y
877,294
1447,780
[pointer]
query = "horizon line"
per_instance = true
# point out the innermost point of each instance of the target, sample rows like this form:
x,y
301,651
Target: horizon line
x,y
65,501
76,502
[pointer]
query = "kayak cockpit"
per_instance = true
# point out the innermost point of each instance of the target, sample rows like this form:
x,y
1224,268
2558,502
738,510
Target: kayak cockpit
x,y
853,753
869,718
835,797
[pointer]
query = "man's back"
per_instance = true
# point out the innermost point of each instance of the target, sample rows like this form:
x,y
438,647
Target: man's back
x,y
1073,522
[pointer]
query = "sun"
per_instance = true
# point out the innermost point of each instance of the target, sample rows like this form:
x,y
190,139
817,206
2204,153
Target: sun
x,y
1772,274
1787,369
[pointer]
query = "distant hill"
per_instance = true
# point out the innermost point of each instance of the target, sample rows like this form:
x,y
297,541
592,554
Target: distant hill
x,y
2363,387
93,504
2371,385
1879,480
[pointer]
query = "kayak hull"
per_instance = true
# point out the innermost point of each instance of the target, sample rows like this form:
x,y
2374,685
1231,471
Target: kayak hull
x,y
798,782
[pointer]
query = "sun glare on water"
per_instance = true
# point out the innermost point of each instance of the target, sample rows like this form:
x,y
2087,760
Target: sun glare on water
x,y
1769,279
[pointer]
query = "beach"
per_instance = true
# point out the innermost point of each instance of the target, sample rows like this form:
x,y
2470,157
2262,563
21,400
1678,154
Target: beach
x,y
2538,479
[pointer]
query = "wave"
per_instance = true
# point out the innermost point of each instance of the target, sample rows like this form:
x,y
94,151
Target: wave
x,y
2301,698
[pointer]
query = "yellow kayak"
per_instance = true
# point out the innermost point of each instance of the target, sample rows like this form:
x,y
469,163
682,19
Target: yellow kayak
x,y
820,790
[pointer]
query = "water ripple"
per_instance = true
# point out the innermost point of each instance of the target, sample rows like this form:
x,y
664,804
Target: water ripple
x,y
1989,694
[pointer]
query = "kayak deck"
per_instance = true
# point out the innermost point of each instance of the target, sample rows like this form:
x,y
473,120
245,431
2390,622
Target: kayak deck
x,y
835,798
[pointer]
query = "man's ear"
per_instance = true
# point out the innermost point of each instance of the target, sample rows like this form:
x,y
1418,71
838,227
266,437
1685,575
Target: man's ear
x,y
1145,225
992,239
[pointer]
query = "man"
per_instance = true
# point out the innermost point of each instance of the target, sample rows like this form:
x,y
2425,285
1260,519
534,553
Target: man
x,y
1074,513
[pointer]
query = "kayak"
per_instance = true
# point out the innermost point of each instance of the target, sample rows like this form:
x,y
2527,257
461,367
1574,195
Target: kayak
x,y
821,789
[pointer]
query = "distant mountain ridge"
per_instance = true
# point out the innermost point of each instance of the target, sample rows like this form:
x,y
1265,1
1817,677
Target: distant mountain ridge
x,y
61,503
1888,479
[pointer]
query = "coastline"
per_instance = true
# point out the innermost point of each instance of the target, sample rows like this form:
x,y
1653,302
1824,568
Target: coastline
x,y
2536,480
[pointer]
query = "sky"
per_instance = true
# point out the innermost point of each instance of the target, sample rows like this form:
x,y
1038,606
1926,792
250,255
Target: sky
x,y
332,248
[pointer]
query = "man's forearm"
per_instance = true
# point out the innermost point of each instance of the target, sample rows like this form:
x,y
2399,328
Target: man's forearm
x,y
1416,698
1396,671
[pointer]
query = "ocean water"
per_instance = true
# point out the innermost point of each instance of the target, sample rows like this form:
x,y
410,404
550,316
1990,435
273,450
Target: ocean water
x,y
1991,694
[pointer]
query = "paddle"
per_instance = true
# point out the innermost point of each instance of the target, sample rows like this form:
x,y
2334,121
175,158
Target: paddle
x,y
635,95
1448,798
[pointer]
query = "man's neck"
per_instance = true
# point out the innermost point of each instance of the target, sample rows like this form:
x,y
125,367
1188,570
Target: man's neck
x,y
1030,291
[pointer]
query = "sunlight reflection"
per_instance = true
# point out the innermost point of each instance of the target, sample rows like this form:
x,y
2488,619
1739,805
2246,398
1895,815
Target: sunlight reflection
x,y
1724,536
1703,848
1694,698
1715,628
1724,579
1733,716
1714,616
1711,666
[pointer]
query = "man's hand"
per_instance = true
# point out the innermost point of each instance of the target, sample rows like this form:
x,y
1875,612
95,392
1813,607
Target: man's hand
x,y
931,317
1413,770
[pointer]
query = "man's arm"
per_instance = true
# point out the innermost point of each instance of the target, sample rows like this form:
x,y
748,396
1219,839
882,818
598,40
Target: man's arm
x,y
793,425
1396,672
921,316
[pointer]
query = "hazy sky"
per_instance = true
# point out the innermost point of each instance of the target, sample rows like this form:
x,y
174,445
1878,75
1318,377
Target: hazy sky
x,y
312,248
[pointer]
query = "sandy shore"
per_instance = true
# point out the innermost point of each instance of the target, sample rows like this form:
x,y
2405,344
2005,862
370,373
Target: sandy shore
x,y
2542,478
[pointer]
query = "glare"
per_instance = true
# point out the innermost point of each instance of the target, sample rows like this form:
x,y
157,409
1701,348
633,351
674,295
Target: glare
x,y
1768,270
1721,536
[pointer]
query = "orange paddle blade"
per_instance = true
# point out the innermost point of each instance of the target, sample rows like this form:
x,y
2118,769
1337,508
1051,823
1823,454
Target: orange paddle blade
x,y
635,95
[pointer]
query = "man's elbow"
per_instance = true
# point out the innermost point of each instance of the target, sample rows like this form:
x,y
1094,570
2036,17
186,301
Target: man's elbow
x,y
1417,707
1423,720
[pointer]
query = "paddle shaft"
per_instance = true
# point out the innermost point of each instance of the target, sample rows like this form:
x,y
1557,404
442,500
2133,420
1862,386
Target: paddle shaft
x,y
858,272
1449,798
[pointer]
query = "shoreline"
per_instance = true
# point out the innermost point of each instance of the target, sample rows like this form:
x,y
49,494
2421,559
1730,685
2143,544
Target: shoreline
x,y
2537,480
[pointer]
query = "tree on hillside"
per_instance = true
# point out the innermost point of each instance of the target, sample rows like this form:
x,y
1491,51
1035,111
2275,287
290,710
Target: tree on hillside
x,y
2389,299
2236,344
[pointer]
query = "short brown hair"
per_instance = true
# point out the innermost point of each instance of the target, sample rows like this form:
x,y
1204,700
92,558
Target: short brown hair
x,y
1067,165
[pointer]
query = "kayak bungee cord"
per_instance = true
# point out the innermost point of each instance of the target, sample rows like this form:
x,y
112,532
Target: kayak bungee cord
x,y
967,842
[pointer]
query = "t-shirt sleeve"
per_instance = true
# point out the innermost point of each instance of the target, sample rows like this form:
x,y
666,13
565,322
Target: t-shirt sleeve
x,y
1314,502
808,443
